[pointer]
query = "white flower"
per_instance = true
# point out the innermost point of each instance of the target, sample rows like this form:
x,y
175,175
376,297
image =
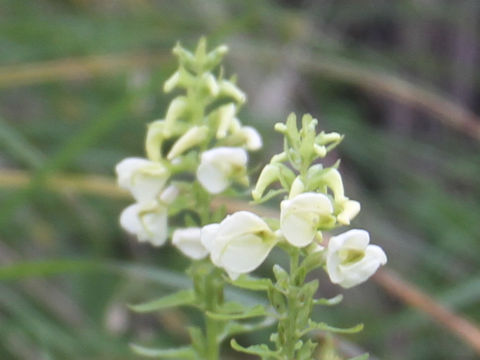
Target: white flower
x,y
148,221
188,242
143,178
302,216
239,244
351,260
219,166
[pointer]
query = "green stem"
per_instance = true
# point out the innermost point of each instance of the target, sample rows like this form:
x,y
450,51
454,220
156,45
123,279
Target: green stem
x,y
287,328
213,298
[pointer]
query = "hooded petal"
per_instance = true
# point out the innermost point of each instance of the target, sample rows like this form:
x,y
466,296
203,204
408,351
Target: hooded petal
x,y
245,253
301,216
208,237
143,178
147,221
218,165
188,242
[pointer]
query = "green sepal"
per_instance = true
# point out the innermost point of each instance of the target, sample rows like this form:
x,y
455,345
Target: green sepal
x,y
328,302
307,350
260,350
277,299
251,283
281,276
186,353
313,260
258,310
180,298
270,195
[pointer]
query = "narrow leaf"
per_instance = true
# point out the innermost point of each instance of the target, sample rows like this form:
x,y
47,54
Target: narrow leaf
x,y
325,327
261,350
251,283
182,297
329,302
361,357
258,310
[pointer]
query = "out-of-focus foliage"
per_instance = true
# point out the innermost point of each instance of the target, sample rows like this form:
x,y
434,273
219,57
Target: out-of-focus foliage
x,y
417,178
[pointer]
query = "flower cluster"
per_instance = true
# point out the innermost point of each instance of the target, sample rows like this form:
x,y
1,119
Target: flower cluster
x,y
208,141
316,202
199,149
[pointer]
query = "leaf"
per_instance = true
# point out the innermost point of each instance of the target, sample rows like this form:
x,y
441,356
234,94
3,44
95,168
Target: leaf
x,y
325,327
180,298
251,283
178,353
361,357
261,350
258,310
234,328
328,302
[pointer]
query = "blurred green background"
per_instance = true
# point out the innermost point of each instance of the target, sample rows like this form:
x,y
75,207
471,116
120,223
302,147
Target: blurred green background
x,y
79,81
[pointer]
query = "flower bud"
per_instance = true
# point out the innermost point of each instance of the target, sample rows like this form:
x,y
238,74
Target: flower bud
x,y
253,140
175,110
219,166
148,221
226,115
172,82
333,180
143,178
269,174
211,83
351,260
169,195
194,136
230,89
297,188
156,133
239,244
188,242
350,209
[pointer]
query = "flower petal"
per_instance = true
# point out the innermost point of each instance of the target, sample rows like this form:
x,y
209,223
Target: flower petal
x,y
188,242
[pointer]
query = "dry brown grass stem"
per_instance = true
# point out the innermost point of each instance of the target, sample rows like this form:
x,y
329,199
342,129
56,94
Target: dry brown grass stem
x,y
390,281
378,82
413,296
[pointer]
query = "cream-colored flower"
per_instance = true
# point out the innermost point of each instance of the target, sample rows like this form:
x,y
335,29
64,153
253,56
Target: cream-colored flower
x,y
239,244
187,240
148,221
145,179
302,216
350,258
219,166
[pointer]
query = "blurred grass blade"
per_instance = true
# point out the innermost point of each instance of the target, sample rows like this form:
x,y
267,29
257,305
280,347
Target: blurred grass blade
x,y
18,146
185,353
